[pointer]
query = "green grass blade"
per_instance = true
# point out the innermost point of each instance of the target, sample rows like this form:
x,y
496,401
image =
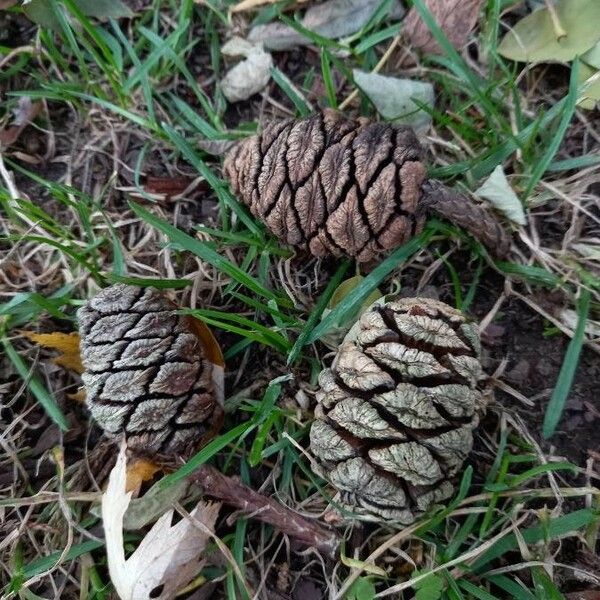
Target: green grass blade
x,y
204,455
567,371
568,111
203,251
316,313
368,284
36,386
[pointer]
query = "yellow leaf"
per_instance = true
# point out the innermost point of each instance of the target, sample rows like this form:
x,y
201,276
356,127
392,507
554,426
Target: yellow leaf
x,y
139,471
66,343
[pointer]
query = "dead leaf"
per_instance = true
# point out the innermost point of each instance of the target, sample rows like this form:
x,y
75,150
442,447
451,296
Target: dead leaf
x,y
216,147
169,186
394,97
78,396
214,355
166,559
66,343
138,472
457,18
25,112
4,4
145,510
333,19
249,76
253,4
497,191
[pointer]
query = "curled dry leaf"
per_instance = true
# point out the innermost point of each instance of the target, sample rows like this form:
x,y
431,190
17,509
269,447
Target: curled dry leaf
x,y
249,76
25,112
500,194
166,559
457,18
333,19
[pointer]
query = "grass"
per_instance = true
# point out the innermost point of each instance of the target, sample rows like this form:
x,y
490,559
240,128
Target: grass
x,y
127,98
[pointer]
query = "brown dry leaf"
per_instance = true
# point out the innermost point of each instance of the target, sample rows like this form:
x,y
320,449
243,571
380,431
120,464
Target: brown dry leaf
x,y
169,186
214,355
457,18
167,558
66,343
78,396
138,472
4,4
252,4
25,112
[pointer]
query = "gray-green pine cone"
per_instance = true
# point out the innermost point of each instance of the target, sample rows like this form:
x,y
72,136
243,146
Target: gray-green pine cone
x,y
145,372
397,409
347,187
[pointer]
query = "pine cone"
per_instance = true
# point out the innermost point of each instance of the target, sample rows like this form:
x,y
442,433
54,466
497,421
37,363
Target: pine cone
x,y
145,372
397,408
356,188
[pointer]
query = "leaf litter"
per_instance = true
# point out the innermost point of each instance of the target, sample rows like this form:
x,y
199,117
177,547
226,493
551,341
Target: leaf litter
x,y
167,558
333,19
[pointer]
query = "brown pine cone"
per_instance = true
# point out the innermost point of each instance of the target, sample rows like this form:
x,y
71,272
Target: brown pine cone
x,y
397,408
356,188
146,375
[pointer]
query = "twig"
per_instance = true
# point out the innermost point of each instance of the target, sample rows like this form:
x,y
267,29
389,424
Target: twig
x,y
251,503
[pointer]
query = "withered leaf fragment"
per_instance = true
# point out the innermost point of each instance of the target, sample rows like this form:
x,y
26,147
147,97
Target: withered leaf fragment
x,y
146,373
343,187
397,408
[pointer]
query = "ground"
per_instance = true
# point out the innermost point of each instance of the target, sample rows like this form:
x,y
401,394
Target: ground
x,y
126,146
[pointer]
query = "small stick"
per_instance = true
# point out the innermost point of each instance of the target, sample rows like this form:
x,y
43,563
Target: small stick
x,y
233,492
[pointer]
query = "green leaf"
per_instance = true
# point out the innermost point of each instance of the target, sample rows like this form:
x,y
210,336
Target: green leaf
x,y
592,56
113,9
540,38
567,371
202,250
362,589
368,284
429,588
36,386
499,193
590,88
554,529
40,11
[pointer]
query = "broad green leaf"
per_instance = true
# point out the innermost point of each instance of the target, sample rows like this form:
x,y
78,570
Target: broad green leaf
x,y
592,56
362,589
589,78
429,588
345,288
541,38
496,190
